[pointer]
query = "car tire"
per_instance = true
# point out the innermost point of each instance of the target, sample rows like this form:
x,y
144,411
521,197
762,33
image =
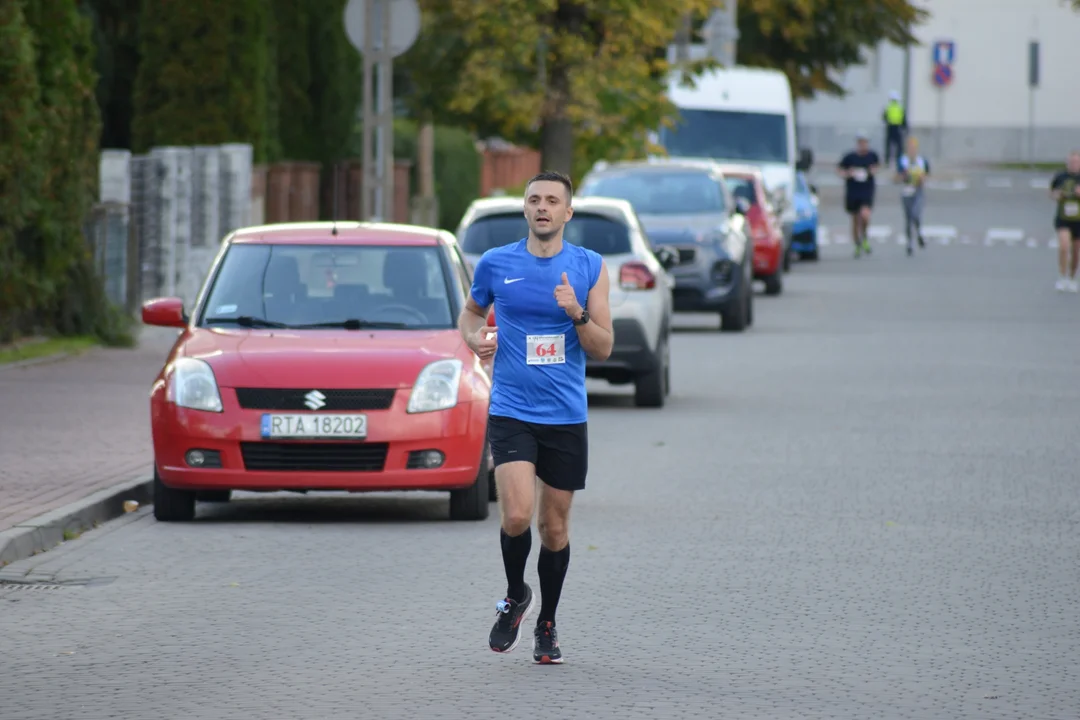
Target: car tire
x,y
774,284
738,315
809,255
473,502
787,260
170,504
214,496
649,387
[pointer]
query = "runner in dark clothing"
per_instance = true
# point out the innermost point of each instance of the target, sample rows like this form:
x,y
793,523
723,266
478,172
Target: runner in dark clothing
x,y
1065,189
858,169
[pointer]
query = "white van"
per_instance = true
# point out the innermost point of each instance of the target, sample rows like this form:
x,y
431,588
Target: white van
x,y
740,115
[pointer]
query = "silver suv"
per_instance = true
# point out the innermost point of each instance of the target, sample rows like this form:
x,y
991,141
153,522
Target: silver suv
x,y
641,301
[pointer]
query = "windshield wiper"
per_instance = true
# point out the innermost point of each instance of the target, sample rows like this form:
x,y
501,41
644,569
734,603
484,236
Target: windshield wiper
x,y
245,321
355,324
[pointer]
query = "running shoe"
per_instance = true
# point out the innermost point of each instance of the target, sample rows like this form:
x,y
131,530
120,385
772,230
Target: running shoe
x,y
507,629
546,644
866,245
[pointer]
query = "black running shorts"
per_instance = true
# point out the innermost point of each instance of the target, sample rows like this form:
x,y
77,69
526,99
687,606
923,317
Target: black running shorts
x,y
1073,226
559,452
854,204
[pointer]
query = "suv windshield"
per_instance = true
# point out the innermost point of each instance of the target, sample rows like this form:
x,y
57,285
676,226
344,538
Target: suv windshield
x,y
262,285
594,232
725,135
653,192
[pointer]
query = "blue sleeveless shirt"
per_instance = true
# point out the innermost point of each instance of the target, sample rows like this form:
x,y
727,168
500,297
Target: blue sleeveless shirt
x,y
539,367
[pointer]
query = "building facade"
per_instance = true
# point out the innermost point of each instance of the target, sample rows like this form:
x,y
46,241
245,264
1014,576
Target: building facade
x,y
990,111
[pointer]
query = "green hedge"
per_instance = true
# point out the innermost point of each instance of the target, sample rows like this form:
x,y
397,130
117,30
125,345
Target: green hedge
x,y
49,128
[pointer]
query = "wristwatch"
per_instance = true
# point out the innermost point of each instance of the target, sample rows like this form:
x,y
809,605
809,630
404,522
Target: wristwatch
x,y
583,319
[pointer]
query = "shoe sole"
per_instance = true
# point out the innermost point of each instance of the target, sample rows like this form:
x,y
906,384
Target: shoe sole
x,y
524,617
546,660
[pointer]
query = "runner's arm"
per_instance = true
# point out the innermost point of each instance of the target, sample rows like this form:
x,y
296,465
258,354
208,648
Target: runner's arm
x,y
472,318
596,335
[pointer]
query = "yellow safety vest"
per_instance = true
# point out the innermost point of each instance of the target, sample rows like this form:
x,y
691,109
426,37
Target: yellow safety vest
x,y
894,113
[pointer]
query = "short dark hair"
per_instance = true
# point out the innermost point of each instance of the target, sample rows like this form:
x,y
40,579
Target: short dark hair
x,y
553,176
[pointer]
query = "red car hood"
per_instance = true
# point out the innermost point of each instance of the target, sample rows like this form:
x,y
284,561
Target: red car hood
x,y
331,360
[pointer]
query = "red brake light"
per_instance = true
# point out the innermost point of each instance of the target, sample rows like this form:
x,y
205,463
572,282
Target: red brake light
x,y
636,275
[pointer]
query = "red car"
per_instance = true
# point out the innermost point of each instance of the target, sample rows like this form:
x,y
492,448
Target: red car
x,y
322,357
747,185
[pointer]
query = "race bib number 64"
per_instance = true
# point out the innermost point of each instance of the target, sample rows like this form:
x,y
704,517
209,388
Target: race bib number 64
x,y
545,349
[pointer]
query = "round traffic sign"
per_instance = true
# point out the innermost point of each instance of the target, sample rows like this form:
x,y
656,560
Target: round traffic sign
x,y
404,24
942,74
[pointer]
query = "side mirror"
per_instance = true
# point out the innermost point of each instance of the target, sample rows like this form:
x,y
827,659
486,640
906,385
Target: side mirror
x,y
806,159
668,257
165,312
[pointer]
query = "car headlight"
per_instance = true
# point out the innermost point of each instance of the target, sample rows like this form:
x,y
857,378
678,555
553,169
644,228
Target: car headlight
x,y
436,387
193,385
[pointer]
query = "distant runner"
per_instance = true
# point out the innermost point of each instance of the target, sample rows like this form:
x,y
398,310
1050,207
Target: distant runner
x,y
912,170
858,168
1065,189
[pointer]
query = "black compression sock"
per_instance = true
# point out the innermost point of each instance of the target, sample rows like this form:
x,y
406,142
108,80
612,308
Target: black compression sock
x,y
552,567
515,553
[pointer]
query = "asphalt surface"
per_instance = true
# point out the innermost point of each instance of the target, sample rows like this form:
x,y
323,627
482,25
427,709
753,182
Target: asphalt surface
x,y
864,507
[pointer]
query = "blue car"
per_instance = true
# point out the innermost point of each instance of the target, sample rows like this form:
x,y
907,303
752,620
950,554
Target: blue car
x,y
804,230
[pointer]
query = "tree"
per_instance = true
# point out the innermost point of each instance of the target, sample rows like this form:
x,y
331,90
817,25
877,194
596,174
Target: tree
x,y
566,71
116,35
808,39
207,75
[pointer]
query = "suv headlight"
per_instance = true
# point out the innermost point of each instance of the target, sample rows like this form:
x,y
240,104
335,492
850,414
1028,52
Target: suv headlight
x,y
436,387
193,385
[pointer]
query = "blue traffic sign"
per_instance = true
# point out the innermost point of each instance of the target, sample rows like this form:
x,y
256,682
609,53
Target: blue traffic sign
x,y
943,74
944,52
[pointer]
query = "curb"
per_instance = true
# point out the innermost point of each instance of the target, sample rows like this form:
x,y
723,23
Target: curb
x,y
44,359
45,532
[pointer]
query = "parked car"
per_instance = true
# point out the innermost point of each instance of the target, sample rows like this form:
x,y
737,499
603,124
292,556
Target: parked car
x,y
804,239
640,295
685,204
322,357
747,186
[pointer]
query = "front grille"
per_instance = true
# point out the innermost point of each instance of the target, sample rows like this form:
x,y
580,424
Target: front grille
x,y
314,457
274,399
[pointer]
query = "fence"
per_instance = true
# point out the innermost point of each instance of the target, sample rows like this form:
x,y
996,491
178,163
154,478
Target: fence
x,y
506,167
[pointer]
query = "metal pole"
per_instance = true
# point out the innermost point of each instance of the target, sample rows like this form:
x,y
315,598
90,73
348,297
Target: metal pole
x,y
386,107
378,165
367,206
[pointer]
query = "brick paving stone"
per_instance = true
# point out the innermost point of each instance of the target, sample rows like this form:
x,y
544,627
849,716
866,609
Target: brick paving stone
x,y
71,428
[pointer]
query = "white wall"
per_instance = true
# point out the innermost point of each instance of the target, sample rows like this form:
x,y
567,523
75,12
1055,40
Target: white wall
x,y
984,113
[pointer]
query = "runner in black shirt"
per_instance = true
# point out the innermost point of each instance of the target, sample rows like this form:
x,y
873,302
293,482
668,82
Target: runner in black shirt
x,y
1065,189
858,168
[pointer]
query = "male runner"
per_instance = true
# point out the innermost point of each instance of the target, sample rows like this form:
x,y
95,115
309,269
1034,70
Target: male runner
x,y
858,168
537,423
912,170
1065,189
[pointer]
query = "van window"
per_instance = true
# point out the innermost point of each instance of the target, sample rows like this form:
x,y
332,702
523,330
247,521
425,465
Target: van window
x,y
726,135
594,232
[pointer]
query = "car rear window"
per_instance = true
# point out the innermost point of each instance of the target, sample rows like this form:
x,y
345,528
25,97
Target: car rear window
x,y
741,188
661,192
594,232
299,285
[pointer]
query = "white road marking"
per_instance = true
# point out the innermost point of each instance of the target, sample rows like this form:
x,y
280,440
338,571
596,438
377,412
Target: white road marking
x,y
947,185
999,182
823,236
1009,236
880,233
1037,184
1032,243
1052,244
942,232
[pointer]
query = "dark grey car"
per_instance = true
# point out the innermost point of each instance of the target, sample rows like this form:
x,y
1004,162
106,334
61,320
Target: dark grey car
x,y
686,205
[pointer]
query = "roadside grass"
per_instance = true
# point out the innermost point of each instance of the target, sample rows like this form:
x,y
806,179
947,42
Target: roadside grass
x,y
34,348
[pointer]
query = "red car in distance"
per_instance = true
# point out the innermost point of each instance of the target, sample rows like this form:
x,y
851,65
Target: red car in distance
x,y
322,357
747,186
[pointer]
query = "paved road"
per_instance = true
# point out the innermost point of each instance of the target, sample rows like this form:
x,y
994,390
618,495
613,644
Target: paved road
x,y
865,507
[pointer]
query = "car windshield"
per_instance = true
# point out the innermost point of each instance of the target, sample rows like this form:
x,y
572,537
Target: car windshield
x,y
741,188
758,137
594,232
264,285
653,192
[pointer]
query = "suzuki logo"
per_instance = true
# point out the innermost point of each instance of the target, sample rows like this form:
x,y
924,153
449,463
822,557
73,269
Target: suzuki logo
x,y
315,400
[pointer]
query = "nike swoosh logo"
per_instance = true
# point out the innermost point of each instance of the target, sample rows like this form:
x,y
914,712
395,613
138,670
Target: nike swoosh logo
x,y
507,281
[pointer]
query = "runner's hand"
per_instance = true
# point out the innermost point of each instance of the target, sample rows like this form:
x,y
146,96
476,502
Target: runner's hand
x,y
486,342
567,299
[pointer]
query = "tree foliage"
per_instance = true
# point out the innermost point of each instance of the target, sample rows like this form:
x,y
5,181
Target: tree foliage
x,y
206,75
116,25
571,74
810,39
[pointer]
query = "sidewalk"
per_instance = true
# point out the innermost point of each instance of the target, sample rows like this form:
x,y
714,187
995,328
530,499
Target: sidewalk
x,y
73,428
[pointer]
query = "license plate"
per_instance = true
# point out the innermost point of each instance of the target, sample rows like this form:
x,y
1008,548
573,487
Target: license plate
x,y
322,425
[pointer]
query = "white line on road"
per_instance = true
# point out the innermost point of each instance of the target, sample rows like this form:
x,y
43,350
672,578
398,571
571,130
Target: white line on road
x,y
1040,184
1009,236
940,231
946,185
1032,243
1052,244
880,233
999,182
